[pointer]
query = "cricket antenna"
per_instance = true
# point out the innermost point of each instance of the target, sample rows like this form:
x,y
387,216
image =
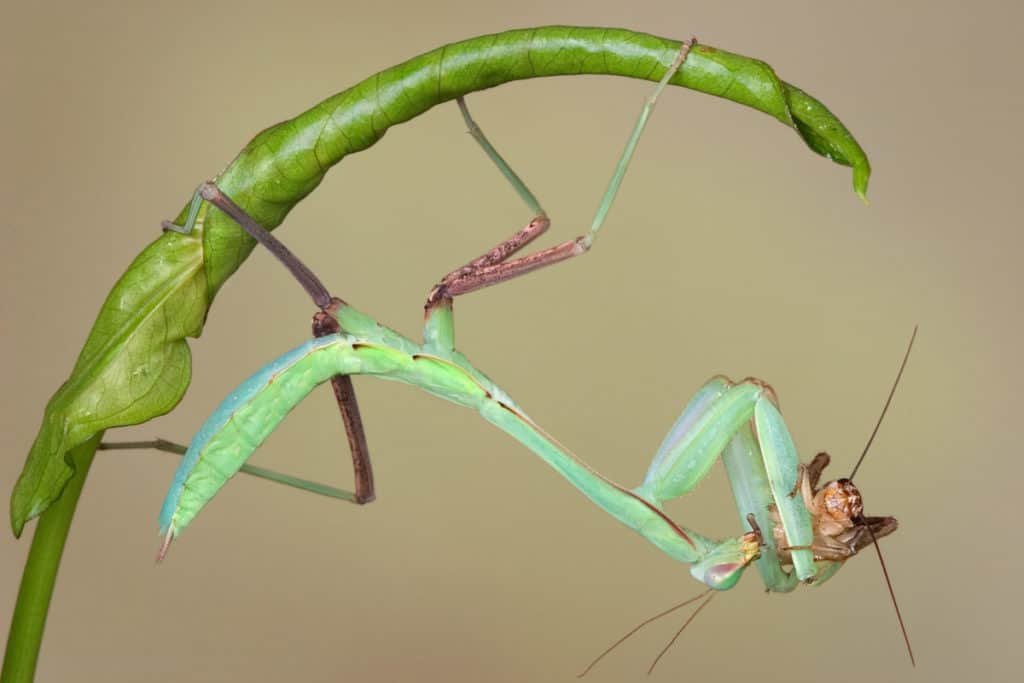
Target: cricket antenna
x,y
885,408
639,626
892,594
864,522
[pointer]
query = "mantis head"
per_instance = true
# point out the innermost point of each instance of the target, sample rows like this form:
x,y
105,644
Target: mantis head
x,y
723,566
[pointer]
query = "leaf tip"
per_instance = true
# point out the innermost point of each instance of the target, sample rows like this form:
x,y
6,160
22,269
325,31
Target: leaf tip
x,y
20,515
22,511
861,174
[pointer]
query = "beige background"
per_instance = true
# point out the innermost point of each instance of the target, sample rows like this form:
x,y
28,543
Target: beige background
x,y
732,249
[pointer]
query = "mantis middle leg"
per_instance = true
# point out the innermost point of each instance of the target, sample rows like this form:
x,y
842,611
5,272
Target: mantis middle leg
x,y
324,323
493,266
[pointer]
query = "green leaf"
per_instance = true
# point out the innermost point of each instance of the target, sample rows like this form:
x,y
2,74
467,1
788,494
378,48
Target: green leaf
x,y
827,136
136,363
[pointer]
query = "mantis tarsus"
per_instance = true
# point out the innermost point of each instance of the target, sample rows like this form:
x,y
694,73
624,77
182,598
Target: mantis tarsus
x,y
798,533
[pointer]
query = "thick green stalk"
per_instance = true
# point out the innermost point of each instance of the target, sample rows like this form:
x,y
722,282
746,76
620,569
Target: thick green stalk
x,y
40,573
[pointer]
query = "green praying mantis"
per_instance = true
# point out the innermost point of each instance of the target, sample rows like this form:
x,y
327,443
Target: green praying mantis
x,y
798,531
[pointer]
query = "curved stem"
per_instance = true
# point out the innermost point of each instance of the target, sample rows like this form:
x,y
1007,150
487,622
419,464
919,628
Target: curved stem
x,y
40,572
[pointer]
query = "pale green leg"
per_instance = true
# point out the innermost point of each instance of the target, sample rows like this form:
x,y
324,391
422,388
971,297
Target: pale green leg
x,y
782,462
439,328
682,466
627,154
747,476
478,134
253,470
190,218
706,396
751,490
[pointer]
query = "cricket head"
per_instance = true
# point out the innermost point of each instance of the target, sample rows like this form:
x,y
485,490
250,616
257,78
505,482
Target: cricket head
x,y
841,529
838,508
840,500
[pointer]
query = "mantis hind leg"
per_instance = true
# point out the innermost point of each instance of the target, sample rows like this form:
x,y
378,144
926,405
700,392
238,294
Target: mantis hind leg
x,y
324,322
259,472
494,266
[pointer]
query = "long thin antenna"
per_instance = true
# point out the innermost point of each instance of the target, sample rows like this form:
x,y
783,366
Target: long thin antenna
x,y
639,626
892,593
887,402
679,632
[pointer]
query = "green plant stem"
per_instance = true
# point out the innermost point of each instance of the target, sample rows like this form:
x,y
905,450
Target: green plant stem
x,y
40,573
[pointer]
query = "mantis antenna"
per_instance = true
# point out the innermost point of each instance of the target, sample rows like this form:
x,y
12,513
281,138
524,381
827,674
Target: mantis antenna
x,y
643,623
682,628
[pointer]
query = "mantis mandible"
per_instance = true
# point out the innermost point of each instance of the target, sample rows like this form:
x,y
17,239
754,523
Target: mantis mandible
x,y
798,531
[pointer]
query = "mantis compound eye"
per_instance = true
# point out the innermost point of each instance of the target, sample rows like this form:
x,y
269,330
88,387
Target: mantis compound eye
x,y
841,501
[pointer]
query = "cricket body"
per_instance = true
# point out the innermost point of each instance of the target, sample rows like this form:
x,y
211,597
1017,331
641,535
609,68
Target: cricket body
x,y
795,531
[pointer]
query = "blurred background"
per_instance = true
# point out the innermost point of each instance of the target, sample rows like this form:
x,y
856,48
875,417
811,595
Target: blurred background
x,y
732,249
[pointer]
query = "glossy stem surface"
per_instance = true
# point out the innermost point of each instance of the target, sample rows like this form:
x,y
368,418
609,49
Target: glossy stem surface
x,y
40,574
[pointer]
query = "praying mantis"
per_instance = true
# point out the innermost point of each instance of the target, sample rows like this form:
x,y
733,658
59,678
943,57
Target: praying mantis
x,y
798,532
